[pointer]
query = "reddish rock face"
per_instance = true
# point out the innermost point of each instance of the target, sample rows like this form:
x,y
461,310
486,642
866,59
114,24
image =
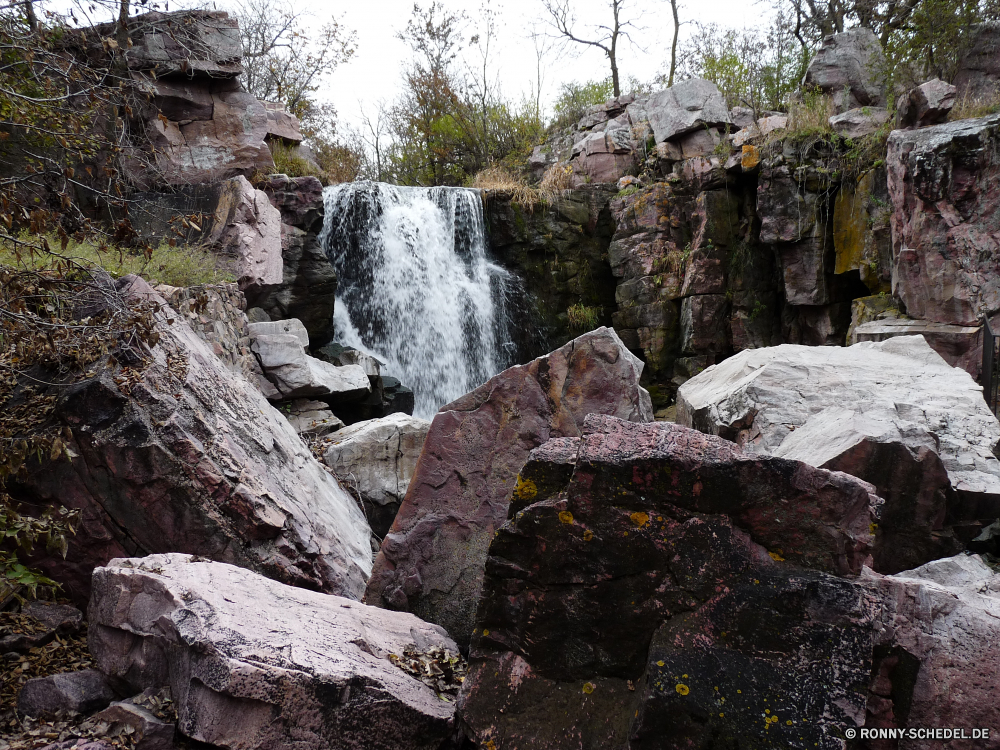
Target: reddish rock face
x,y
431,563
192,458
665,590
944,182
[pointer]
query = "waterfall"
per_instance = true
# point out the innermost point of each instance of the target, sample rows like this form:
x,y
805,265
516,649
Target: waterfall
x,y
416,289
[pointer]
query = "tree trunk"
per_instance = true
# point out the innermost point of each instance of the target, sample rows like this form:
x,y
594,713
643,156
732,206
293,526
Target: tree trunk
x,y
29,14
673,46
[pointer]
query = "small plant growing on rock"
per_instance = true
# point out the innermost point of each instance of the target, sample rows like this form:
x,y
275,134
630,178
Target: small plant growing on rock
x,y
583,318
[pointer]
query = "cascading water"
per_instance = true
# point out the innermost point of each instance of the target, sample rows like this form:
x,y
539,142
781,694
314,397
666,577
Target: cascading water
x,y
416,289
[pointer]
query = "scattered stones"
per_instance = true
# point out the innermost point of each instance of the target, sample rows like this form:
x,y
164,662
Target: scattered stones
x,y
68,692
664,589
252,663
376,458
431,562
877,410
927,104
689,105
294,374
847,67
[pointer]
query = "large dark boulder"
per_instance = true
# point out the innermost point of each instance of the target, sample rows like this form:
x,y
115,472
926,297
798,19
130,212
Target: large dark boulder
x,y
663,589
431,562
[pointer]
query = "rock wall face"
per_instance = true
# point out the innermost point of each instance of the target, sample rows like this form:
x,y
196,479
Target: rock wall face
x,y
945,192
560,252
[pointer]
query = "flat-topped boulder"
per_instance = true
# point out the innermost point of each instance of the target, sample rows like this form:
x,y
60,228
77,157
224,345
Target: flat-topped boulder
x,y
840,407
252,663
431,562
280,348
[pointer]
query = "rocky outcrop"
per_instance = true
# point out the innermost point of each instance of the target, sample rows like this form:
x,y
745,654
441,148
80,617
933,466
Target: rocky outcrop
x,y
559,251
252,663
431,562
943,185
200,124
893,413
690,105
309,283
216,314
377,458
663,589
936,653
281,349
847,68
182,454
248,227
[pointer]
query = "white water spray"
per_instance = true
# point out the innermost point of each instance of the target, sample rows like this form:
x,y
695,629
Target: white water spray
x,y
416,289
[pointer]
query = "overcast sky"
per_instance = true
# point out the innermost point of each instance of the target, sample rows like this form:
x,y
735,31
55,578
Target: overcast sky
x,y
375,72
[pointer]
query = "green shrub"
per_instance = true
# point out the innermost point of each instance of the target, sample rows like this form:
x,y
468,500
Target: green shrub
x,y
583,318
576,98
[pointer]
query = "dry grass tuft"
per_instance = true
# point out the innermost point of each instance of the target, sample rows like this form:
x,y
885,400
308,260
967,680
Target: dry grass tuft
x,y
557,178
810,116
968,106
498,179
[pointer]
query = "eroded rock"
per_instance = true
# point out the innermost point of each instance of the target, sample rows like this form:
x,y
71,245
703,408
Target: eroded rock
x,y
686,106
377,458
847,68
663,589
252,663
842,407
431,562
944,184
190,456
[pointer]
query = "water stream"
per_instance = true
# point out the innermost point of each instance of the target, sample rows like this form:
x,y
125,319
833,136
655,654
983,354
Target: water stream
x,y
416,288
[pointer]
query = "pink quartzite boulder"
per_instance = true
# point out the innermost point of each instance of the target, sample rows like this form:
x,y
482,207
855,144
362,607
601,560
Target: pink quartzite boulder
x,y
248,227
944,182
658,588
431,563
938,650
189,456
252,663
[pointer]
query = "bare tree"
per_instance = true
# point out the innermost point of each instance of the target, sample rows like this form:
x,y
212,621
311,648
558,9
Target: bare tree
x,y
673,44
543,45
282,60
375,135
604,37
